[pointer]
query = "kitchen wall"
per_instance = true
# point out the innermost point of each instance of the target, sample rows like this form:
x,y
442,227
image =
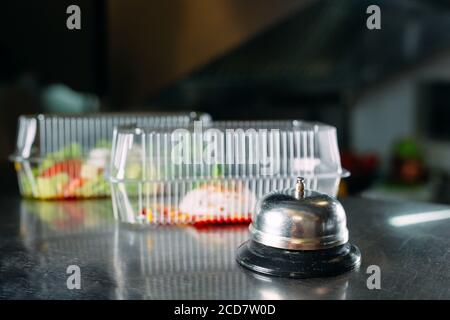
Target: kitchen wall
x,y
391,110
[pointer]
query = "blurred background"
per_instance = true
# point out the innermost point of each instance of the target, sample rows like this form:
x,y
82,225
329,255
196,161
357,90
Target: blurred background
x,y
387,91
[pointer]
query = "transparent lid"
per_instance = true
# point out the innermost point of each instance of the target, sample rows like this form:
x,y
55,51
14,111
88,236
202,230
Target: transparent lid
x,y
225,149
65,136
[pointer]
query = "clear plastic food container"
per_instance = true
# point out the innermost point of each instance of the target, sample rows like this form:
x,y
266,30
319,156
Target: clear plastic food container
x,y
66,157
215,173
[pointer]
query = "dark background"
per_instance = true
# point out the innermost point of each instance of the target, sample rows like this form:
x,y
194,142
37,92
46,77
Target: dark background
x,y
248,59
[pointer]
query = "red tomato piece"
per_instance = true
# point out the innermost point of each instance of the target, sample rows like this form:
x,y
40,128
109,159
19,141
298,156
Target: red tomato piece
x,y
71,188
71,167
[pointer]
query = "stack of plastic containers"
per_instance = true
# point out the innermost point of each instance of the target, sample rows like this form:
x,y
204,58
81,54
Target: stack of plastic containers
x,y
216,172
67,157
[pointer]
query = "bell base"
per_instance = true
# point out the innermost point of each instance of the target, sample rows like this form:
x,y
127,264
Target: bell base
x,y
298,264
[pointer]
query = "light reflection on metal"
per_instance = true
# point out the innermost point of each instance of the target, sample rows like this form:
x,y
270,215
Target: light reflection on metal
x,y
409,219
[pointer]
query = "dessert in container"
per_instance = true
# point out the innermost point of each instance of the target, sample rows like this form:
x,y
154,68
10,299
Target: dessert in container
x,y
67,156
216,172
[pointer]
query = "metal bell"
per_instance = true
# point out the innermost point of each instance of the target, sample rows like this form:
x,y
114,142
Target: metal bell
x,y
299,233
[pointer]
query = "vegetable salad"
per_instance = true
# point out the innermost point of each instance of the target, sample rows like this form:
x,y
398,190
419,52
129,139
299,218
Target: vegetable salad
x,y
66,173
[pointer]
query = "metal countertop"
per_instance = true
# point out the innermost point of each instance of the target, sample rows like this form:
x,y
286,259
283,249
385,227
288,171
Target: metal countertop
x,y
39,240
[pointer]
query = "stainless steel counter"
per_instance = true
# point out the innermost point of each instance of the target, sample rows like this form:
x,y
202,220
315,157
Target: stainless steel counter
x,y
410,242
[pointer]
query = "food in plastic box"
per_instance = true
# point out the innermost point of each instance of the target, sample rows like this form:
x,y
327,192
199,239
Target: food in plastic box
x,y
67,157
216,203
172,187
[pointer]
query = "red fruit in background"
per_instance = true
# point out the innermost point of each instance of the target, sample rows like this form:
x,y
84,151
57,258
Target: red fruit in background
x,y
410,171
349,161
359,164
363,169
368,162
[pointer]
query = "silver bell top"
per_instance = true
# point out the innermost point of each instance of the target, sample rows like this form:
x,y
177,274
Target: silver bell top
x,y
299,219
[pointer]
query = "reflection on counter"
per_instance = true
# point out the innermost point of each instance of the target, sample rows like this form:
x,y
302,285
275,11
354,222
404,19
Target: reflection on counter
x,y
67,231
123,261
65,217
274,288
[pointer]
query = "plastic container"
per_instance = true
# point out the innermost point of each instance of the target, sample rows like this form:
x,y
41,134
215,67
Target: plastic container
x,y
215,173
66,157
